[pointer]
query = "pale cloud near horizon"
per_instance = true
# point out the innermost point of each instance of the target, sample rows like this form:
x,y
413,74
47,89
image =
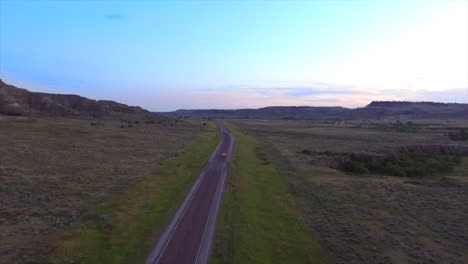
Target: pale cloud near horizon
x,y
219,99
243,96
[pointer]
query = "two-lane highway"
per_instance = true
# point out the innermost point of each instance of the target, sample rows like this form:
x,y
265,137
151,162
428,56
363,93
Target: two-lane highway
x,y
189,236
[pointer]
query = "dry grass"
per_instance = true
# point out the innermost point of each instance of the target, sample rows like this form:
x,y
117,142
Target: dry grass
x,y
372,218
53,171
259,221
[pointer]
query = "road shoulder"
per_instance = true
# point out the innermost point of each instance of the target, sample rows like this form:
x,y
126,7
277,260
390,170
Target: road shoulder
x,y
259,221
124,229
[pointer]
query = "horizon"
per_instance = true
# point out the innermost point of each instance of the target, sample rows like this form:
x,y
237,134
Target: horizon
x,y
268,106
167,56
312,106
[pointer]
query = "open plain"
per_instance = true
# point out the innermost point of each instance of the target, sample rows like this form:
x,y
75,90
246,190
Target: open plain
x,y
88,191
370,217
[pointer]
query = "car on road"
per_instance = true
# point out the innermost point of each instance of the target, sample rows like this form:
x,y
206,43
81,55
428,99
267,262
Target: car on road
x,y
223,155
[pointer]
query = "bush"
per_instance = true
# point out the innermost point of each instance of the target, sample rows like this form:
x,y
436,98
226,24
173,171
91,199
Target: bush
x,y
356,167
461,135
393,169
306,151
360,168
413,164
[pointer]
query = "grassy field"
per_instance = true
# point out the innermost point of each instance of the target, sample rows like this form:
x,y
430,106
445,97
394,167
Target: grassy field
x,y
93,193
460,173
259,221
369,218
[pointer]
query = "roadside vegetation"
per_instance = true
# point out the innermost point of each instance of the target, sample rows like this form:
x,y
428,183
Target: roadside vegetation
x,y
125,229
386,215
411,164
460,135
92,192
259,220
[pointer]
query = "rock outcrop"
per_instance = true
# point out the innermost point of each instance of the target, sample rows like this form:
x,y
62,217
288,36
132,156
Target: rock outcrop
x,y
21,102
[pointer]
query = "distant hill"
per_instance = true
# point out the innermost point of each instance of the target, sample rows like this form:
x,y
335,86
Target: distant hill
x,y
21,102
272,112
375,110
419,109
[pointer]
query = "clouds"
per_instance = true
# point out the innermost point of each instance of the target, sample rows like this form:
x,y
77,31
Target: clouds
x,y
302,91
254,97
239,54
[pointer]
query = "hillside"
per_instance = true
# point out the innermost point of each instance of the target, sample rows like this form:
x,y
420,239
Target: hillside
x,y
375,110
21,102
419,109
271,112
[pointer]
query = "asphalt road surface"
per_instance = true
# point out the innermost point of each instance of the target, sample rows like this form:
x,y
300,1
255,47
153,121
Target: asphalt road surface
x,y
189,236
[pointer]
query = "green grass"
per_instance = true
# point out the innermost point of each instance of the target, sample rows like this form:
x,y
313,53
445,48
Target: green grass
x,y
259,221
462,168
124,229
460,172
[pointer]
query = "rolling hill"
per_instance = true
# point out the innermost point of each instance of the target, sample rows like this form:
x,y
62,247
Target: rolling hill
x,y
21,102
374,110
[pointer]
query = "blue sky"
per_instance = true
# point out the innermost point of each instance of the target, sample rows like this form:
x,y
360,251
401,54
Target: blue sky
x,y
166,55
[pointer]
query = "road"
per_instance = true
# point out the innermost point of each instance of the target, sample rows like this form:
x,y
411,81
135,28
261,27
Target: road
x,y
189,236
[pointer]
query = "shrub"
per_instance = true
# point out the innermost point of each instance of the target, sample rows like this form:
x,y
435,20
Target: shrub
x,y
360,168
306,151
356,167
393,169
412,164
461,135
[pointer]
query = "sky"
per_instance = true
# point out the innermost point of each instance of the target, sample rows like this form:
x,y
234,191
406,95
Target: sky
x,y
168,55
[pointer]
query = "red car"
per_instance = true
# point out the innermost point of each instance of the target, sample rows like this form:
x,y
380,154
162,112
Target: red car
x,y
223,155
